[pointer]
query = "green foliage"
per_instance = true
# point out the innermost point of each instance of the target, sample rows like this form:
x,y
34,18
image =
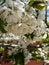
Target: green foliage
x,y
30,35
45,41
2,24
1,50
17,57
48,56
48,22
37,4
31,2
21,0
36,55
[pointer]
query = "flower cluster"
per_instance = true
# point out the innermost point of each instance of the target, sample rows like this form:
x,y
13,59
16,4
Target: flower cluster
x,y
17,51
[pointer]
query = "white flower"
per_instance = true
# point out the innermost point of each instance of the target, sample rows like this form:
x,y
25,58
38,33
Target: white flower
x,y
42,54
45,35
19,24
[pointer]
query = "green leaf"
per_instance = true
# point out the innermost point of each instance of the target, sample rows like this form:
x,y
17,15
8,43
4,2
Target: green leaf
x,y
2,24
30,35
31,2
37,4
1,50
19,57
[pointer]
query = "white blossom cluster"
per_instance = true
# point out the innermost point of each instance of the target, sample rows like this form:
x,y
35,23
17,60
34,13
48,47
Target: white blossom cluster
x,y
15,46
23,46
44,51
20,21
